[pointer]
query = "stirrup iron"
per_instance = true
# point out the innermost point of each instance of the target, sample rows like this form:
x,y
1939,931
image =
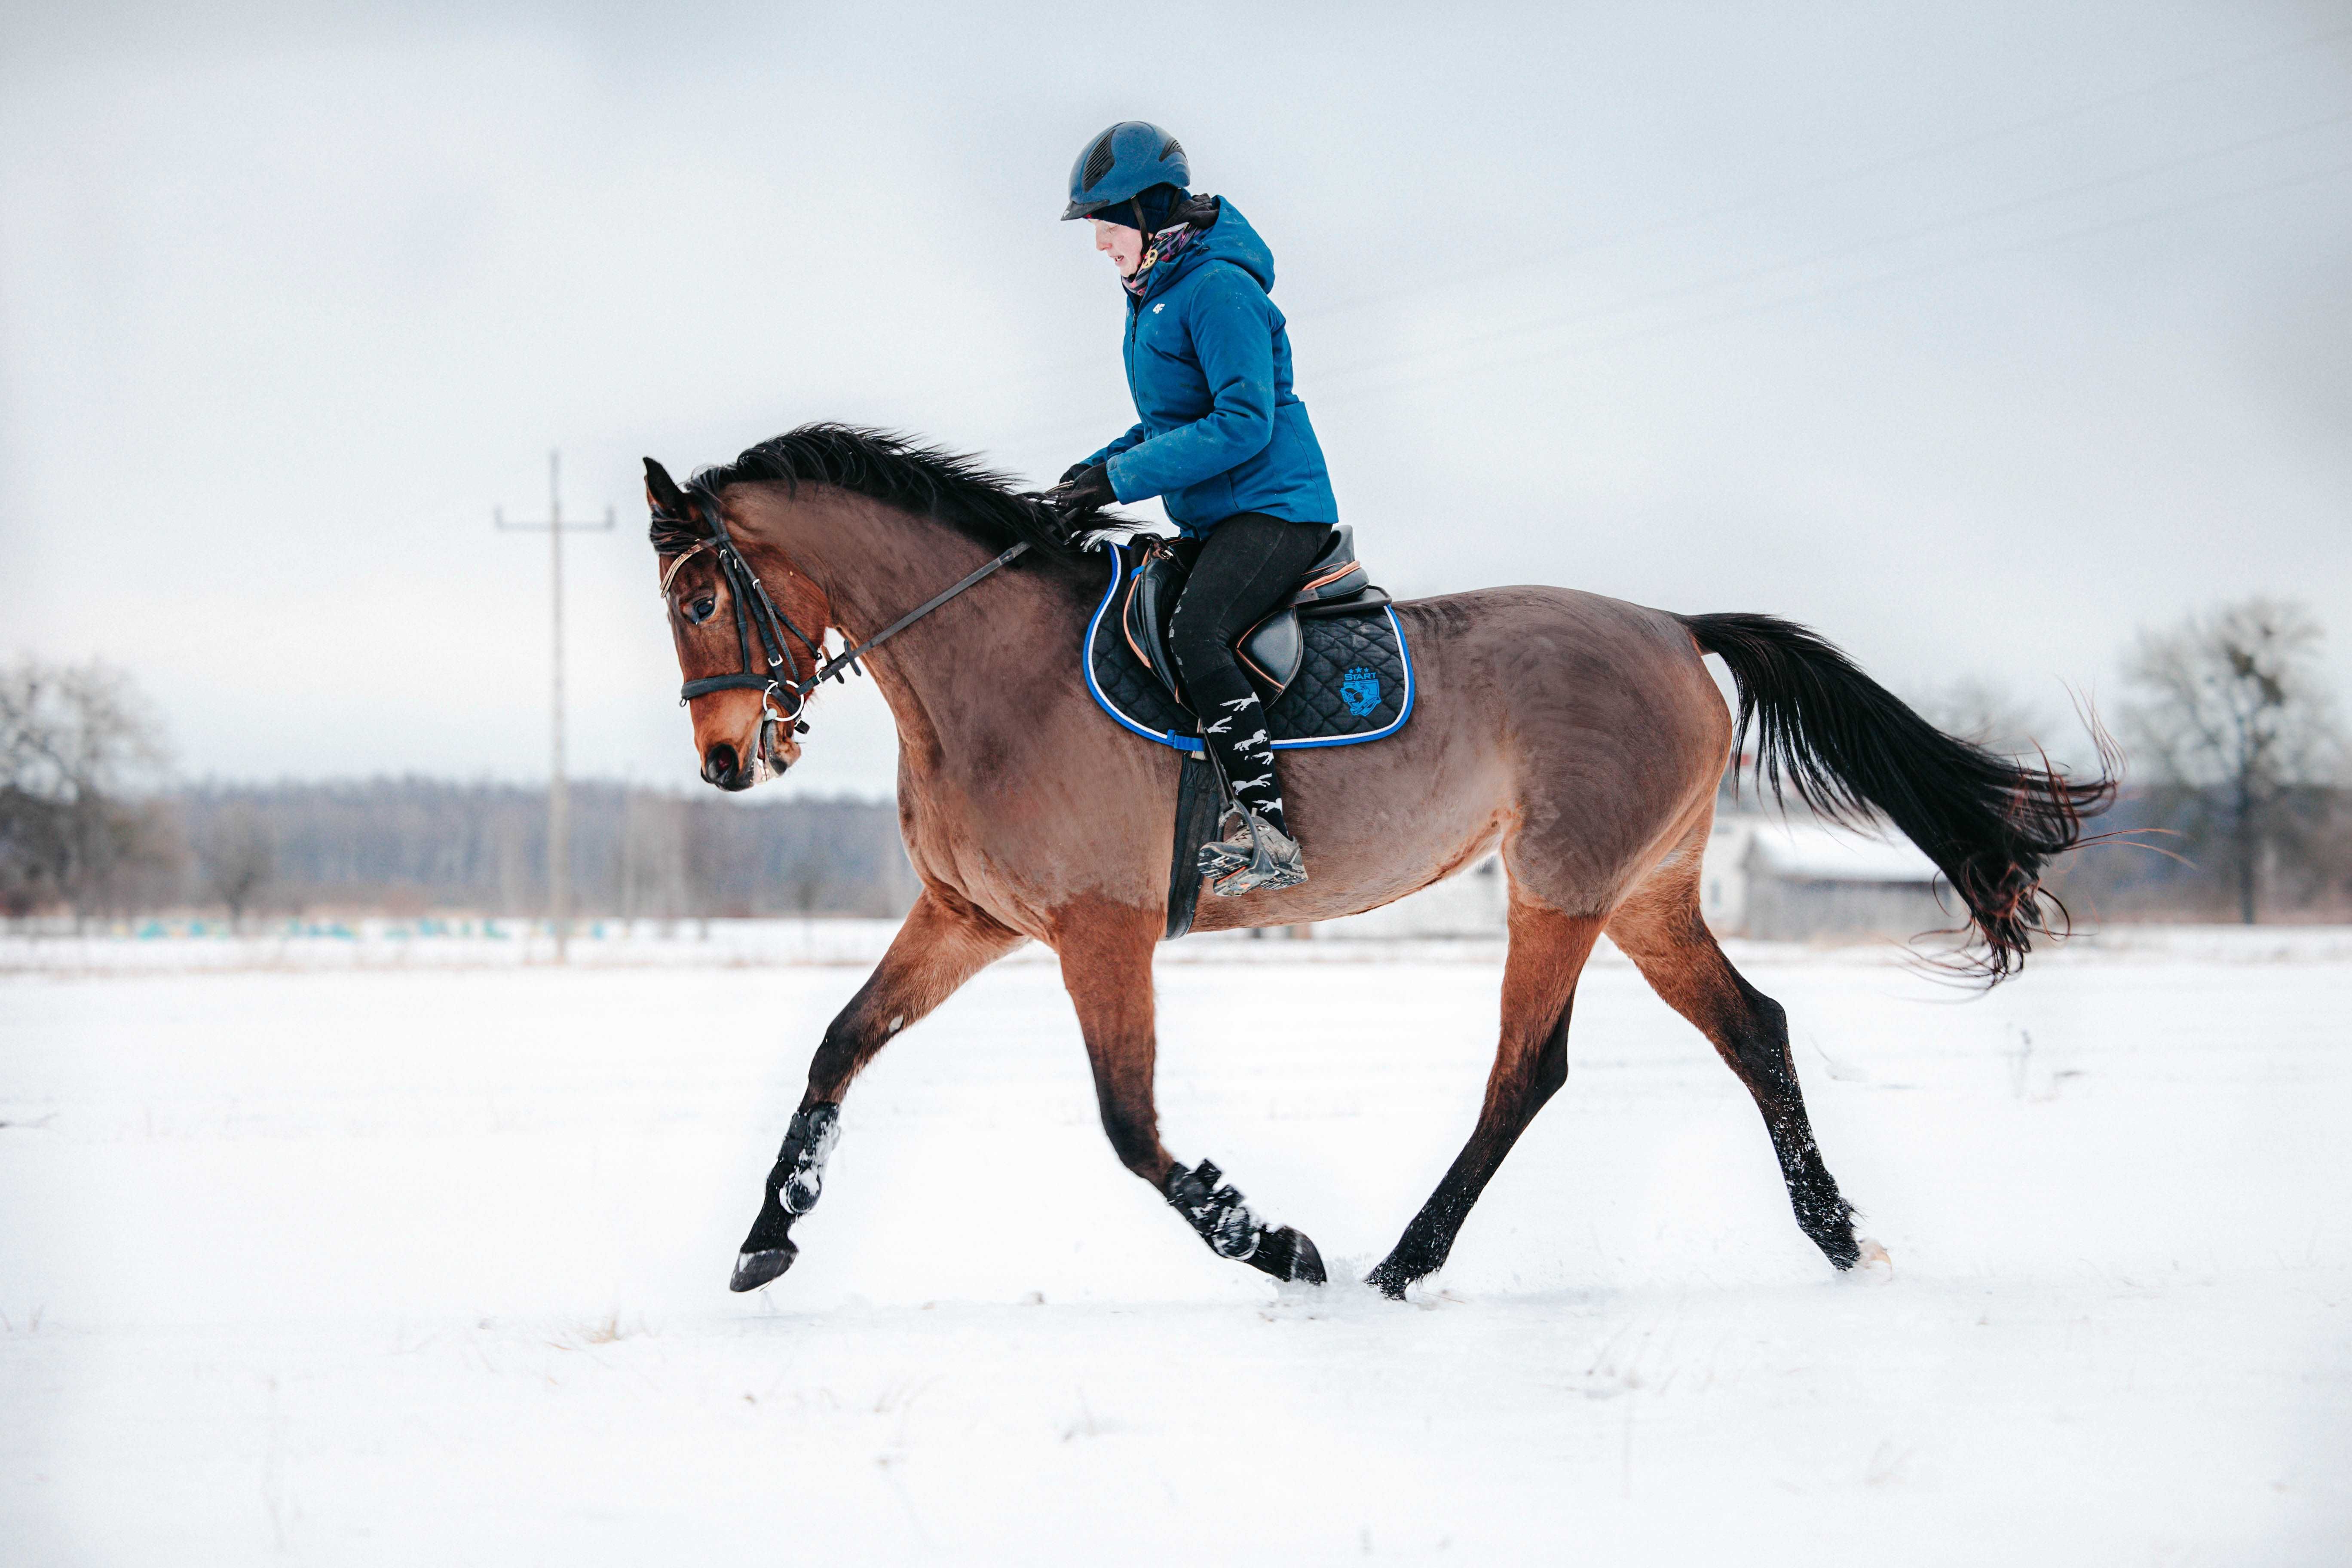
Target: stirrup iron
x,y
1257,856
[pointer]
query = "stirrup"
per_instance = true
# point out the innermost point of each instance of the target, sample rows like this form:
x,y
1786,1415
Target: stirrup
x,y
1258,856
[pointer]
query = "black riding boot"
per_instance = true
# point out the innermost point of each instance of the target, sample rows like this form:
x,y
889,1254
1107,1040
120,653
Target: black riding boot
x,y
1247,566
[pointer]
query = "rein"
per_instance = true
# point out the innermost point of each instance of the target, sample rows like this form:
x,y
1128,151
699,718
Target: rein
x,y
756,612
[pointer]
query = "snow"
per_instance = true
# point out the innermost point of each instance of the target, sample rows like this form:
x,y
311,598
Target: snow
x,y
375,1264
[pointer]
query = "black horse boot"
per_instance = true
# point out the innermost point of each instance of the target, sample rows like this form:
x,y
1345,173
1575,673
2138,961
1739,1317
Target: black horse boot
x,y
1210,1206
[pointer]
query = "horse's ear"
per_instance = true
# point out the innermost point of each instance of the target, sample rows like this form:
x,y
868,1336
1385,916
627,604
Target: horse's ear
x,y
663,491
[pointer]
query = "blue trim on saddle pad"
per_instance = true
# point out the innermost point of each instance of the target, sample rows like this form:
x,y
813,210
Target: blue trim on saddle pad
x,y
1351,689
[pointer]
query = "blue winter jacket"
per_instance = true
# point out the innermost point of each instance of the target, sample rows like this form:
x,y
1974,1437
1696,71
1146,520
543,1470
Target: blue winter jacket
x,y
1208,360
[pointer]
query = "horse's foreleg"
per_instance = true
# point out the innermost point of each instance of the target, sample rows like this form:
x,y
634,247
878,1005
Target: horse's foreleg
x,y
1106,967
942,943
1547,955
1659,930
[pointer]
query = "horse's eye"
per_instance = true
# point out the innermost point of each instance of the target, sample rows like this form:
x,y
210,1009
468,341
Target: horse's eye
x,y
699,611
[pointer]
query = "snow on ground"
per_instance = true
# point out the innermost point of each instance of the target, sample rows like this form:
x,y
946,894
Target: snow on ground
x,y
1455,921
413,1264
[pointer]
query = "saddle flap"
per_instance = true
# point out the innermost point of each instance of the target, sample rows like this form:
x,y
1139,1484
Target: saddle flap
x,y
1271,650
1152,591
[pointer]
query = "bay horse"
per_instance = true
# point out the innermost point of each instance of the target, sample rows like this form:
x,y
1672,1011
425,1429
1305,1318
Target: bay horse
x,y
1581,735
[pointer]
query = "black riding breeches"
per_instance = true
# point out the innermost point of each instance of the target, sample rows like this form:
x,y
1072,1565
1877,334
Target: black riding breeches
x,y
1245,569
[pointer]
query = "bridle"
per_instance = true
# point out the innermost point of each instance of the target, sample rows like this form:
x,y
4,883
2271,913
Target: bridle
x,y
781,681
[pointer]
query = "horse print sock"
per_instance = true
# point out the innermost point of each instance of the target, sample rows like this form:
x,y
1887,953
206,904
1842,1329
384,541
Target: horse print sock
x,y
1234,723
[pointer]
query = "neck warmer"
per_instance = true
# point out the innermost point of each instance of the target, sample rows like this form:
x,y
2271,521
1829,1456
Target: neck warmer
x,y
1166,244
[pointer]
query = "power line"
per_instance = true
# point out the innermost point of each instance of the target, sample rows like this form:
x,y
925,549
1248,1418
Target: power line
x,y
1825,182
1850,286
1857,247
1074,427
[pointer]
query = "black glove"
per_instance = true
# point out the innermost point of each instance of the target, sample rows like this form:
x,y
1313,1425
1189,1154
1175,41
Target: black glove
x,y
1073,471
1085,487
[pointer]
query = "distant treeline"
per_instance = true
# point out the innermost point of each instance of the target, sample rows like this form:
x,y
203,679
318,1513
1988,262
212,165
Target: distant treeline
x,y
411,845
2168,852
2239,806
408,845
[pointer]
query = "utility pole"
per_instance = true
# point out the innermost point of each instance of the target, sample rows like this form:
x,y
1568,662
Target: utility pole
x,y
559,794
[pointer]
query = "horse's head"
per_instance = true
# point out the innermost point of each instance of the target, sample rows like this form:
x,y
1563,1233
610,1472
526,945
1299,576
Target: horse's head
x,y
741,657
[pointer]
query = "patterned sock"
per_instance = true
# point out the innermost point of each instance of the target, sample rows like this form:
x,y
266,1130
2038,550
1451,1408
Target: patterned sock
x,y
1238,733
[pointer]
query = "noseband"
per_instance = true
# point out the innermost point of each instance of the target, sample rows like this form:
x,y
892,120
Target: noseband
x,y
755,612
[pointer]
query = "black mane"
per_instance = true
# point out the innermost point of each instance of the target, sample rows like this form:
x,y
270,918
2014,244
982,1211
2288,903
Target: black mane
x,y
950,488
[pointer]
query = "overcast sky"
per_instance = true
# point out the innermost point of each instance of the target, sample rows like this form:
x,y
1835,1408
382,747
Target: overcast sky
x,y
1974,336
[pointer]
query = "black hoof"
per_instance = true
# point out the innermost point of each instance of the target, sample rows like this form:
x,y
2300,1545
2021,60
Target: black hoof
x,y
1389,1280
1827,1220
1289,1257
753,1269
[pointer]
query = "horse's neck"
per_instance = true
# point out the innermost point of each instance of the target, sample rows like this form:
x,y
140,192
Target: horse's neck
x,y
875,563
866,556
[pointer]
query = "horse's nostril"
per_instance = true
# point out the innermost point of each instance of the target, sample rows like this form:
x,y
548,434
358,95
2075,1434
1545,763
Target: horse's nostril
x,y
719,763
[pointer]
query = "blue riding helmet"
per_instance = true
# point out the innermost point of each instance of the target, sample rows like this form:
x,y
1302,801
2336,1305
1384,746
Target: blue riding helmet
x,y
1130,157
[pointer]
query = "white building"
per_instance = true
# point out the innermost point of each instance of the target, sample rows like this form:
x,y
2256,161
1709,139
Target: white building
x,y
1763,877
1791,881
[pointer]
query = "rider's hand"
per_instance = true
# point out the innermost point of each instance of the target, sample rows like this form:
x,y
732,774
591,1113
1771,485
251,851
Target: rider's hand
x,y
1072,504
1085,487
1073,471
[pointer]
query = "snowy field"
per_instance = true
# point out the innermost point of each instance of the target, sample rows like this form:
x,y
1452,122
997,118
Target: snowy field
x,y
411,1263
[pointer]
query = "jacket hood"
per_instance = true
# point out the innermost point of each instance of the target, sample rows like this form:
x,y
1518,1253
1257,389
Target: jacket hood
x,y
1230,238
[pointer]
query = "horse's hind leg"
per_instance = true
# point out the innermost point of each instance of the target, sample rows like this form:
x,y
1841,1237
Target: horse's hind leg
x,y
943,942
1547,955
1107,967
1659,930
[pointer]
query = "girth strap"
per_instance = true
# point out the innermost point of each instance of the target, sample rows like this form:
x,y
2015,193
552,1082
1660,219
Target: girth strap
x,y
1199,800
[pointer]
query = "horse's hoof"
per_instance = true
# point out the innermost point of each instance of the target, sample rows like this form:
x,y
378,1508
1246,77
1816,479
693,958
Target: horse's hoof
x,y
1389,1281
753,1269
1871,1262
1289,1257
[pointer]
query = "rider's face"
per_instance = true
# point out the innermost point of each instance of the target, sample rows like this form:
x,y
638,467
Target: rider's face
x,y
1123,245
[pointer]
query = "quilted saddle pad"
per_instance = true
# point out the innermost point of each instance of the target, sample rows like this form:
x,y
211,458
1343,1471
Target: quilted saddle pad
x,y
1354,683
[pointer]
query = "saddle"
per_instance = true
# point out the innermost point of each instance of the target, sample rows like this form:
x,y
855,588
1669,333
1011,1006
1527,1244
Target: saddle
x,y
1270,651
1331,665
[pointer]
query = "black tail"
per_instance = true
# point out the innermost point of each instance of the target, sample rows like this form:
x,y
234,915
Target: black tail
x,y
1846,745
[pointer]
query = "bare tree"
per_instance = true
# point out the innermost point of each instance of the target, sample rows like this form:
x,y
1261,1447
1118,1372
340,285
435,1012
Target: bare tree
x,y
2237,725
73,739
237,855
33,838
1993,715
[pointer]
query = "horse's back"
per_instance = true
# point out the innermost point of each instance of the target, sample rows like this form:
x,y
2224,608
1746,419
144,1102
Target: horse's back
x,y
1590,655
1613,730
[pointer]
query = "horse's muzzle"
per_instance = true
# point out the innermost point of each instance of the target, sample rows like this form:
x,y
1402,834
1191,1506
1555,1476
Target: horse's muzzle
x,y
721,766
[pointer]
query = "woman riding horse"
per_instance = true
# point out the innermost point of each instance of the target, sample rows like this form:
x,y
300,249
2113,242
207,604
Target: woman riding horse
x,y
1583,737
1222,440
